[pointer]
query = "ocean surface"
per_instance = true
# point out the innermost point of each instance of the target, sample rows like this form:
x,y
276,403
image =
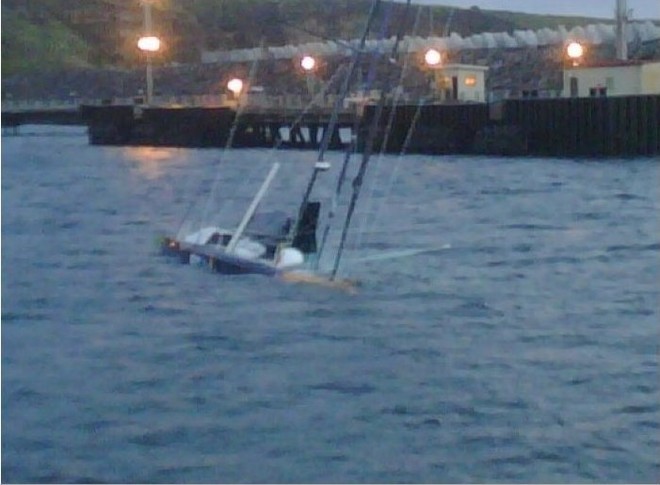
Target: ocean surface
x,y
522,345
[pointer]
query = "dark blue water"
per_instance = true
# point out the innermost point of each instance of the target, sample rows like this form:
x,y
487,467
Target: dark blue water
x,y
528,351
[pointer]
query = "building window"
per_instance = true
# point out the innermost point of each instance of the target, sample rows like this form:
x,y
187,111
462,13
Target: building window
x,y
471,81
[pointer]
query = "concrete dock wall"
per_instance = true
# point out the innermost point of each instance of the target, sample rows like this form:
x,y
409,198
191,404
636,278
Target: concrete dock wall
x,y
559,127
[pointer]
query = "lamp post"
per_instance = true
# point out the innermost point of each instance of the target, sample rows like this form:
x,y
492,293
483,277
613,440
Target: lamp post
x,y
148,44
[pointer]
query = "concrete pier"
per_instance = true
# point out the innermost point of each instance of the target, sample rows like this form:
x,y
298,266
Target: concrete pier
x,y
623,126
54,116
210,127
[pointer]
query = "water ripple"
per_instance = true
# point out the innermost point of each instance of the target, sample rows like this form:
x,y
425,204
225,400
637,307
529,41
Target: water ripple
x,y
526,353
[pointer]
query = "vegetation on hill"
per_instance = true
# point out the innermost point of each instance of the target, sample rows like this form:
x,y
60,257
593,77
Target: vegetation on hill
x,y
32,44
41,35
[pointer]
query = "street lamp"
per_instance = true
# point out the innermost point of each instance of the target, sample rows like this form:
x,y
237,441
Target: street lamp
x,y
149,44
575,51
433,58
235,86
308,63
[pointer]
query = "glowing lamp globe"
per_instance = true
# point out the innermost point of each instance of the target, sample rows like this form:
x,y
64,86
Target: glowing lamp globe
x,y
149,44
308,63
432,57
235,86
574,50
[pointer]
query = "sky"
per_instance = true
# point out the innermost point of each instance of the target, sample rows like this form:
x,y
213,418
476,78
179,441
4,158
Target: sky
x,y
642,9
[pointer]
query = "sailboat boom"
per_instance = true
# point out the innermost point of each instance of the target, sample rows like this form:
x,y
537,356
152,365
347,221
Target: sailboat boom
x,y
252,208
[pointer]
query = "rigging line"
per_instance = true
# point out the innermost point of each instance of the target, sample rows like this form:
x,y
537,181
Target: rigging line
x,y
348,45
350,149
366,154
404,148
228,144
242,105
371,73
332,125
398,94
403,151
315,100
345,86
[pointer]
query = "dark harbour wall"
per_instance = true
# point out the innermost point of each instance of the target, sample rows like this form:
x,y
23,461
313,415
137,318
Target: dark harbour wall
x,y
628,126
565,127
433,129
14,119
557,127
133,125
207,127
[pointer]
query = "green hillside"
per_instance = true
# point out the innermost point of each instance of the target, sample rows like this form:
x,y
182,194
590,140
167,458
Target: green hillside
x,y
39,35
30,45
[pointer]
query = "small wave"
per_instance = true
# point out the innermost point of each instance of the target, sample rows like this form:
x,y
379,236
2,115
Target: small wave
x,y
475,308
426,423
164,311
591,216
527,262
96,425
320,313
534,227
517,460
633,247
639,409
627,196
206,342
69,225
550,456
578,381
646,423
160,438
509,191
139,222
9,317
522,248
344,388
642,312
419,295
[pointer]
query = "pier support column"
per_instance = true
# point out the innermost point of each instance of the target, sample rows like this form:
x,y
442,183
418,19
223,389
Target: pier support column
x,y
335,140
296,137
314,135
274,131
